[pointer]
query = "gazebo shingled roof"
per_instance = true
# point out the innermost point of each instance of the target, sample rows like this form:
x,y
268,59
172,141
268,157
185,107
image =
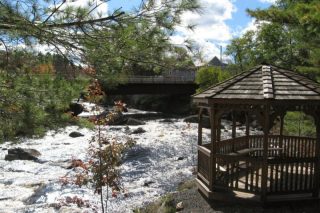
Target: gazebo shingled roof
x,y
265,165
264,82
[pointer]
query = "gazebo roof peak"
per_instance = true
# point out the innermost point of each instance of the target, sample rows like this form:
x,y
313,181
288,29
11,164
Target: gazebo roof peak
x,y
264,82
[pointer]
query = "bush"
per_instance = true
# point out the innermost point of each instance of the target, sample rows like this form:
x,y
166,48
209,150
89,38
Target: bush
x,y
32,103
299,124
209,76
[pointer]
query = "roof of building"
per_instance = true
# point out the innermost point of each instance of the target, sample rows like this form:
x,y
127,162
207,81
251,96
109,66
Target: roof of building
x,y
216,62
264,82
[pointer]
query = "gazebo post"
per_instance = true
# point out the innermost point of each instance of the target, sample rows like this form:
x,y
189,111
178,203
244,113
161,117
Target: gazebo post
x,y
247,129
264,175
233,128
281,132
200,127
213,122
316,183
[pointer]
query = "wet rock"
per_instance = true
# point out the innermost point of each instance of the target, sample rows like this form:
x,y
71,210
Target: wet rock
x,y
254,124
179,206
115,128
242,127
117,118
180,158
67,209
133,122
22,154
127,129
38,192
5,198
4,149
76,134
166,120
103,114
138,131
148,183
76,108
77,163
194,119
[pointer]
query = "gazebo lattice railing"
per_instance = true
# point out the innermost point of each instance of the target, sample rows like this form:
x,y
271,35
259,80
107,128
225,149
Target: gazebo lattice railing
x,y
239,162
265,165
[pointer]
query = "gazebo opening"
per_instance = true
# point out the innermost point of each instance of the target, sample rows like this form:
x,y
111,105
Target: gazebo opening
x,y
262,161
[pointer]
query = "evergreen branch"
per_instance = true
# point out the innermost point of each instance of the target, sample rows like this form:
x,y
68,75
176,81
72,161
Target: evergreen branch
x,y
79,23
53,12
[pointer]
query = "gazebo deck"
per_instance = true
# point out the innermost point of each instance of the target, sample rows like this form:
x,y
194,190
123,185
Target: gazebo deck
x,y
291,162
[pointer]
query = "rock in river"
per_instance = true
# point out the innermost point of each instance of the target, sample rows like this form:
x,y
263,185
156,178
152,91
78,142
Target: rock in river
x,y
138,131
133,122
22,154
76,134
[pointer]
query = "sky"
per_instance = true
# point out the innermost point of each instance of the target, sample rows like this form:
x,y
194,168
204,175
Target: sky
x,y
218,22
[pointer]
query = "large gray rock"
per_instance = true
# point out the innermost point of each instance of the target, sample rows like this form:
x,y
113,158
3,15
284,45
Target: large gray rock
x,y
76,134
22,154
194,119
117,118
76,108
134,122
205,121
138,131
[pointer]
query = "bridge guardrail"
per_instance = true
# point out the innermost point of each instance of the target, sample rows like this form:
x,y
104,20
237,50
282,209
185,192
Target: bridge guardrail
x,y
161,79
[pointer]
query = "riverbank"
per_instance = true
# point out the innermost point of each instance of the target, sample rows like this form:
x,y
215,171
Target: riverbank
x,y
191,201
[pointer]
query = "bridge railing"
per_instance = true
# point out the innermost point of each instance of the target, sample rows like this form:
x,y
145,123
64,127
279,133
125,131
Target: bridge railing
x,y
161,79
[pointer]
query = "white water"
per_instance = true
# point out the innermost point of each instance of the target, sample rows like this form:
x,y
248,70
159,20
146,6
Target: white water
x,y
153,159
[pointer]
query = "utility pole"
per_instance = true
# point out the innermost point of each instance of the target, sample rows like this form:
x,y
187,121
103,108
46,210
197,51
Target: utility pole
x,y
221,56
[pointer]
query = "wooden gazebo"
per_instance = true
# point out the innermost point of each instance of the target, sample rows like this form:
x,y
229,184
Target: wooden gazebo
x,y
267,166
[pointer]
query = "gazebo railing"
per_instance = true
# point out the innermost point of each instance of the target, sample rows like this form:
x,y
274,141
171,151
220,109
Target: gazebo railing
x,y
291,162
204,163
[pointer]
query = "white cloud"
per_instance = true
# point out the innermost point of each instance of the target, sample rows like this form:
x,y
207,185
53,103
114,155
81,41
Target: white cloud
x,y
210,28
268,1
251,26
101,6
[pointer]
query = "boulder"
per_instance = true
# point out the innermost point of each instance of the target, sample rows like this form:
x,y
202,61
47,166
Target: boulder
x,y
138,131
102,114
22,154
205,121
134,122
117,118
179,206
76,134
77,163
194,119
180,158
148,183
76,108
166,120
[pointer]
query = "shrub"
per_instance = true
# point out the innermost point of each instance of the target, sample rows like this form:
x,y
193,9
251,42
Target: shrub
x,y
208,76
32,103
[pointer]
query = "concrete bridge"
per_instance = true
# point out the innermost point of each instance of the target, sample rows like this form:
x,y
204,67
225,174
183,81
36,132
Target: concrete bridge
x,y
170,85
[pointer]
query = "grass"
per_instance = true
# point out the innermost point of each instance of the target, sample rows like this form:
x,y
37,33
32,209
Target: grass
x,y
189,184
165,204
